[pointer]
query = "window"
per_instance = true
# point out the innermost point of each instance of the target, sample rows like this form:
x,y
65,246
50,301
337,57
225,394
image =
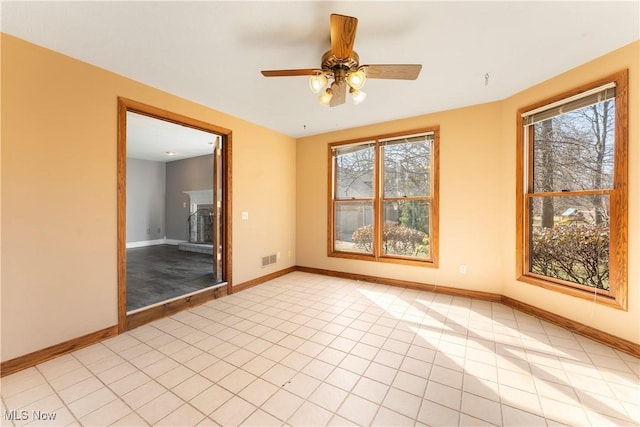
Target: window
x,y
384,198
572,192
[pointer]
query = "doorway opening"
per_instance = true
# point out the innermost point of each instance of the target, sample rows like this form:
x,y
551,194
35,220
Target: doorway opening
x,y
174,195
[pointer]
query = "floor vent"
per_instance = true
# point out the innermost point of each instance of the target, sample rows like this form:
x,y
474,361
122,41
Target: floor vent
x,y
268,260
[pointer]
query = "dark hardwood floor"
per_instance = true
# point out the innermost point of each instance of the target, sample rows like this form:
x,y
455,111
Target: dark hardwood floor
x,y
161,272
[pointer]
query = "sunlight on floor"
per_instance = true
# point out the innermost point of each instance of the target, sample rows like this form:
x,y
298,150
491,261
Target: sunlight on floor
x,y
305,349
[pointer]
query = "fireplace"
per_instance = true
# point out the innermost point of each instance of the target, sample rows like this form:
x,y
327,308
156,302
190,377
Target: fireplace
x,y
200,219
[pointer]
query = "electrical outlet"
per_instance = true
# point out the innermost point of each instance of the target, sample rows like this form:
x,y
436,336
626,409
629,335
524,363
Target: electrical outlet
x,y
463,269
278,255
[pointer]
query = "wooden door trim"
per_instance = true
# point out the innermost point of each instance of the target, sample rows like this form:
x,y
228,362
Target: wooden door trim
x,y
125,105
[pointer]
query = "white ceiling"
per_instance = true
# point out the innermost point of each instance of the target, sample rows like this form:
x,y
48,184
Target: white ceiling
x,y
161,141
211,52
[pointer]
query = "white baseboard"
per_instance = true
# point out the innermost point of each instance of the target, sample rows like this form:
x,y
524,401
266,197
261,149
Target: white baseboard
x,y
143,243
173,242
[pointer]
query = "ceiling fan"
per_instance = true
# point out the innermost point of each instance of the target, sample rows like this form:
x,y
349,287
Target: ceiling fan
x,y
341,68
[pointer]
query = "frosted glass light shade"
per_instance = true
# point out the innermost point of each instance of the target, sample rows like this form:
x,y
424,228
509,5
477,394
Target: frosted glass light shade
x,y
356,79
317,83
326,96
357,96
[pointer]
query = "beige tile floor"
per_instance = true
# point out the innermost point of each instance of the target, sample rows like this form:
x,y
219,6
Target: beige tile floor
x,y
313,350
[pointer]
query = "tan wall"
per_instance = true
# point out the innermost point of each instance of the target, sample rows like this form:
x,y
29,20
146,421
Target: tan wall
x,y
469,141
58,159
477,205
58,265
617,322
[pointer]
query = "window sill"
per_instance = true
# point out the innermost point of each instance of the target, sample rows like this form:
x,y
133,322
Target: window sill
x,y
385,259
598,297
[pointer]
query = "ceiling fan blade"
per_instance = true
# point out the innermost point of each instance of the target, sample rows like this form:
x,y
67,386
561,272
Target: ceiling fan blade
x,y
393,71
343,34
339,90
289,73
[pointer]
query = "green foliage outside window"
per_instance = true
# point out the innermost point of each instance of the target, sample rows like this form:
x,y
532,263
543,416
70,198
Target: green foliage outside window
x,y
396,240
577,253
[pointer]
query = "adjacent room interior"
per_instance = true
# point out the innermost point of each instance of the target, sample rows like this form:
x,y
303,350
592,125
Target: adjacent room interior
x,y
172,211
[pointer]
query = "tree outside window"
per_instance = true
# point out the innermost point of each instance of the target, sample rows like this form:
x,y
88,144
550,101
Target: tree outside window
x,y
572,192
383,201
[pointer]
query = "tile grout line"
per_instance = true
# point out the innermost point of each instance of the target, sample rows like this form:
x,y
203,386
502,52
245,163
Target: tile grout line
x,y
236,315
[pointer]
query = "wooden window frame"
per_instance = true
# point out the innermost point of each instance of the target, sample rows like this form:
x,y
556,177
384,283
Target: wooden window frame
x,y
616,296
378,201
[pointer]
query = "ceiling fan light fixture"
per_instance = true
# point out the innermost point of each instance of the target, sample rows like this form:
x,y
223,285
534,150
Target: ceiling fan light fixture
x,y
357,96
356,79
317,83
340,68
326,96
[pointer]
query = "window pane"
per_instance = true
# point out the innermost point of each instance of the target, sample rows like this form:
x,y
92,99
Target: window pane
x,y
354,172
353,227
570,239
406,228
407,168
574,151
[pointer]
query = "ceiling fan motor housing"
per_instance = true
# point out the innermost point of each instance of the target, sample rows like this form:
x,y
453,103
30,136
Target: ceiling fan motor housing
x,y
338,67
